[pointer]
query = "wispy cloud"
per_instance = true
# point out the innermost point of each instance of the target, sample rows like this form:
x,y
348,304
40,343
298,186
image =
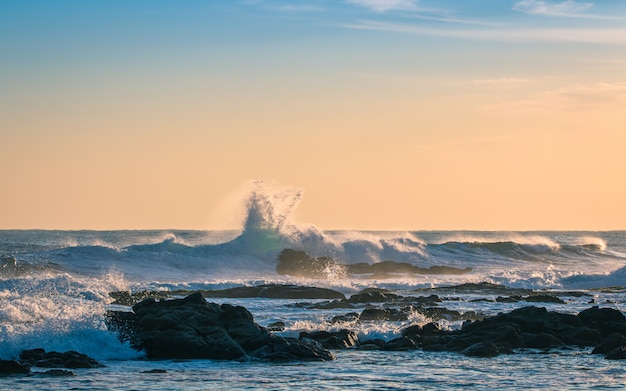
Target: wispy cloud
x,y
567,8
387,5
576,98
608,36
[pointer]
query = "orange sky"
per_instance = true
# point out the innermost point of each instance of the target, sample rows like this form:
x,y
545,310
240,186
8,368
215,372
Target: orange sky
x,y
389,114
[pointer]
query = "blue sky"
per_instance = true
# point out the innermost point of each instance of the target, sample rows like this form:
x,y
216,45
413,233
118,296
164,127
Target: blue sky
x,y
394,94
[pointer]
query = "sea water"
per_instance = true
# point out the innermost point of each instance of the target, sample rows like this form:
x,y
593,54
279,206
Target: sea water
x,y
55,285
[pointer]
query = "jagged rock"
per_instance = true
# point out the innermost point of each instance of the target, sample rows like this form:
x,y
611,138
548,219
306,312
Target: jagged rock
x,y
342,339
193,328
276,326
544,299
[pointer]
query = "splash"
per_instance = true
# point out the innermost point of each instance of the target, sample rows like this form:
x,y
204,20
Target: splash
x,y
268,226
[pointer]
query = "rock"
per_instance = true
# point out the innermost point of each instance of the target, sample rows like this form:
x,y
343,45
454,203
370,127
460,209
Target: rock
x,y
605,320
276,291
72,360
298,263
347,318
56,373
342,339
291,349
383,314
481,349
617,354
10,367
400,344
373,297
543,299
612,342
194,328
276,326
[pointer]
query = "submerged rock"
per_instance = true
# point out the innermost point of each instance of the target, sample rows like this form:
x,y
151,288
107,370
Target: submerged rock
x,y
194,328
72,360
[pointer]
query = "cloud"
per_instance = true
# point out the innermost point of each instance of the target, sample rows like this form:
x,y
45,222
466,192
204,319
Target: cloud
x,y
386,5
575,98
567,8
606,36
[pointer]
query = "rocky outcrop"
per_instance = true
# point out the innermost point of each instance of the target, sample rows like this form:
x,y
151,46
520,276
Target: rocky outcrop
x,y
194,328
276,291
11,367
523,328
298,263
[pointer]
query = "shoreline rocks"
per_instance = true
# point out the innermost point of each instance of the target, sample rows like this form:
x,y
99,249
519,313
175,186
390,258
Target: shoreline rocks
x,y
194,328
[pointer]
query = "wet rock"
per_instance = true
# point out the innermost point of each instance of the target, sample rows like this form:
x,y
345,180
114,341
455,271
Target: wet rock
x,y
298,263
155,371
617,354
10,367
383,314
341,339
194,328
276,291
544,299
276,326
72,360
612,342
400,344
373,297
481,349
56,373
605,320
350,317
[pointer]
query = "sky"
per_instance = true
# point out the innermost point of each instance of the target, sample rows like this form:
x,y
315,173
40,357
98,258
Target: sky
x,y
388,114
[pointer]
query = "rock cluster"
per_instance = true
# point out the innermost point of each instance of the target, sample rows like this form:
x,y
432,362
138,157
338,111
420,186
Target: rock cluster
x,y
527,327
194,328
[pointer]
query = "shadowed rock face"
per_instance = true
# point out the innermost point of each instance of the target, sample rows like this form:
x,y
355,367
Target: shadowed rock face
x,y
193,328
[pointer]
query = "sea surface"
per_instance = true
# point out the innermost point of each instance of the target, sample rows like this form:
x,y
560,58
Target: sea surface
x,y
56,293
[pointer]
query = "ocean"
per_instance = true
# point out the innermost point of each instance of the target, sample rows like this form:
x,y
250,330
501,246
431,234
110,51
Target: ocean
x,y
55,285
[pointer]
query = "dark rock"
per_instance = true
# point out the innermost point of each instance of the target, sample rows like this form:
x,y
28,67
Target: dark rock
x,y
291,349
350,317
617,354
371,344
544,299
510,299
542,341
298,263
386,268
56,373
373,297
193,328
400,344
612,342
10,367
72,360
276,326
383,314
481,349
341,339
276,291
605,320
